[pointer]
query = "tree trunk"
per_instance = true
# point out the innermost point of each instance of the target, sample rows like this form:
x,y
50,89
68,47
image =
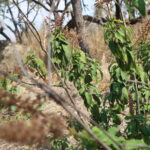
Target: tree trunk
x,y
97,12
77,10
118,10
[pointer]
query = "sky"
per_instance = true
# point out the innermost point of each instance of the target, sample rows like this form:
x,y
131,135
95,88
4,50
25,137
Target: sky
x,y
88,10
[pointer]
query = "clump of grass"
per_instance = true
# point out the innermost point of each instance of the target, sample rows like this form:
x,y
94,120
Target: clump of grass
x,y
97,45
144,31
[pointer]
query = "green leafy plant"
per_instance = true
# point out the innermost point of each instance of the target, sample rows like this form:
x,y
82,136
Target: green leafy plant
x,y
78,68
138,128
62,144
133,5
129,77
121,143
36,65
8,85
83,71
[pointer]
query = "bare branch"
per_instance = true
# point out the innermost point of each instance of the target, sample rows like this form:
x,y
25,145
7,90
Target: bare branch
x,y
42,5
37,36
4,34
17,33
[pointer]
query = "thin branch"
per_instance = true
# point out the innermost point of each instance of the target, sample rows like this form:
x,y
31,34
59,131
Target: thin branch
x,y
42,5
49,48
94,19
35,16
137,96
102,21
139,146
4,34
38,38
14,22
65,86
138,82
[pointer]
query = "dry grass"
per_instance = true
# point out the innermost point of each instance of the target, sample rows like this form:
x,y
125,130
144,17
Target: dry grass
x,y
97,45
9,62
39,130
72,37
141,30
36,131
31,42
99,3
94,38
100,51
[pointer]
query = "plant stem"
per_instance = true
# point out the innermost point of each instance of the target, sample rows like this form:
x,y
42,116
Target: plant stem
x,y
137,96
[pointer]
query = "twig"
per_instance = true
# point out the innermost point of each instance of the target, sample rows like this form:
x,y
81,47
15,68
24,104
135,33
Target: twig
x,y
137,96
30,24
139,146
4,34
65,86
14,22
49,48
138,82
42,5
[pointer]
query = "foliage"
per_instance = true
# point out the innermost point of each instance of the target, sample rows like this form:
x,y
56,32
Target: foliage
x,y
144,55
129,79
138,128
119,41
62,144
36,65
82,71
140,5
89,144
8,85
78,68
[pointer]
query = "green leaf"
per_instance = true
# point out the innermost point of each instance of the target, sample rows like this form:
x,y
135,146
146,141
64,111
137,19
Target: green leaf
x,y
147,94
120,35
125,93
95,113
132,144
88,78
116,87
116,120
101,135
68,52
81,90
140,5
115,49
117,108
124,75
88,97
